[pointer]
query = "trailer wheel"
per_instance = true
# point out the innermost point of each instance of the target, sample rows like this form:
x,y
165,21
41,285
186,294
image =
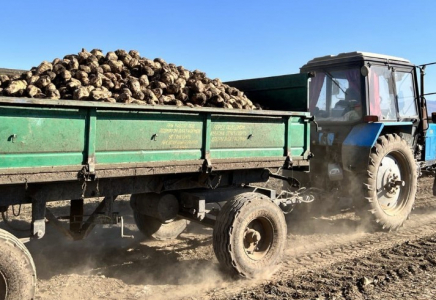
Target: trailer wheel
x,y
390,183
17,270
154,228
249,235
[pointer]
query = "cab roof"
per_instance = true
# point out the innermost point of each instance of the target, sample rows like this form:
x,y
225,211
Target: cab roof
x,y
355,56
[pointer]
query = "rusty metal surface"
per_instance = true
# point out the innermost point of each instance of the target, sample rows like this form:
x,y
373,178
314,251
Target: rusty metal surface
x,y
33,175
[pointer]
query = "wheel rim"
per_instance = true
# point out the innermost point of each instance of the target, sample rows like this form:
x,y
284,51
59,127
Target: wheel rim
x,y
258,238
393,183
3,287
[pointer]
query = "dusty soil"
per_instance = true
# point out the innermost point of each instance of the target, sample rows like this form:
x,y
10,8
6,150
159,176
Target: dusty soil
x,y
326,258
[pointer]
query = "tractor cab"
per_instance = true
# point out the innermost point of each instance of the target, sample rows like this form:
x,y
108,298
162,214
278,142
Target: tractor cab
x,y
356,98
362,87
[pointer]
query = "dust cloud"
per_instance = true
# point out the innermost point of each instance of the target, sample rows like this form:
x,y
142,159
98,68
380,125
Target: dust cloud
x,y
105,266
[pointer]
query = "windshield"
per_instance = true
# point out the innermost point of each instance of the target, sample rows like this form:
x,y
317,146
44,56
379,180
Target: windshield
x,y
336,95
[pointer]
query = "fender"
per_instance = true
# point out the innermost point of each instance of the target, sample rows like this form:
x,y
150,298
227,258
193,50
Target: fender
x,y
358,143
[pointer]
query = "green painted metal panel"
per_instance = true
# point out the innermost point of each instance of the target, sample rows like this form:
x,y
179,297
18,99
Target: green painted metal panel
x,y
27,132
246,137
128,131
40,160
239,132
41,135
245,153
126,136
297,135
286,92
41,130
115,157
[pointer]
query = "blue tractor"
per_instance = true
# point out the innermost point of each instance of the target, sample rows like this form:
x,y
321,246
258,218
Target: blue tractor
x,y
373,134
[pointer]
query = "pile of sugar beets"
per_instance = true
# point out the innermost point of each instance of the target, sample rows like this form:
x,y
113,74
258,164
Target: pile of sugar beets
x,y
123,77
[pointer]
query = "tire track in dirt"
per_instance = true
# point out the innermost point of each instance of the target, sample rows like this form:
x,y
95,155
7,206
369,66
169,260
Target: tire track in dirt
x,y
405,271
107,267
320,255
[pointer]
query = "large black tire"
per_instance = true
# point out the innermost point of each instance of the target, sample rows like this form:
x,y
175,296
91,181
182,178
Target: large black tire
x,y
17,270
155,229
390,184
249,236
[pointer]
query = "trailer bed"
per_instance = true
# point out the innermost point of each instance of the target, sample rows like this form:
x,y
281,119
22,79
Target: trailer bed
x,y
61,140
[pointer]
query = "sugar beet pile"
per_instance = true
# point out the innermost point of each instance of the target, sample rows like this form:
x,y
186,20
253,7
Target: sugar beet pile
x,y
123,77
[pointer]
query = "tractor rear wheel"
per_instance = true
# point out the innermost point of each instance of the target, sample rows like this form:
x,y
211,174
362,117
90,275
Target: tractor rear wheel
x,y
249,236
390,183
17,270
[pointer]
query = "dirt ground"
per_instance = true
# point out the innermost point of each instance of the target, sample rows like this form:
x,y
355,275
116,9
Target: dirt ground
x,y
326,258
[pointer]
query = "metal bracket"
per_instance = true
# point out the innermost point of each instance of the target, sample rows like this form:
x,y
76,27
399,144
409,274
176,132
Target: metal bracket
x,y
91,165
38,218
122,229
288,162
195,205
312,119
38,228
291,180
207,166
87,173
102,215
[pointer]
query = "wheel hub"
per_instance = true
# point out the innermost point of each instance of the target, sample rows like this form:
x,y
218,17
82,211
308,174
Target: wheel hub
x,y
251,239
257,238
389,184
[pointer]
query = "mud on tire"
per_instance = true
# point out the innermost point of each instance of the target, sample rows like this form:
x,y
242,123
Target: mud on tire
x,y
249,235
17,270
390,183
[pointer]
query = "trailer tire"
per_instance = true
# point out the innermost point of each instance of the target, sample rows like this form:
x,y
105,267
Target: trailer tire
x,y
17,270
155,229
390,184
249,235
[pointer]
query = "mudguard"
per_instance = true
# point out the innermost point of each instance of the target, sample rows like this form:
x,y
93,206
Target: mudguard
x,y
358,143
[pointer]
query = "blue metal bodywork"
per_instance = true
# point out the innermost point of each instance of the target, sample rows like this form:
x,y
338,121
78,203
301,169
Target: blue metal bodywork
x,y
326,139
362,138
430,143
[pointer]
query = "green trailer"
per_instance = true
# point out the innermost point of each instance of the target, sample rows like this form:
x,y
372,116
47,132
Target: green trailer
x,y
174,161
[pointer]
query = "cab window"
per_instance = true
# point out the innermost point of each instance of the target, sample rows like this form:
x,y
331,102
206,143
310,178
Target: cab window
x,y
381,94
405,94
335,95
388,90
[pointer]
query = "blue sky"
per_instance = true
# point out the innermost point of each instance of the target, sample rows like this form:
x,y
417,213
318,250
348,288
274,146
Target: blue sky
x,y
226,39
